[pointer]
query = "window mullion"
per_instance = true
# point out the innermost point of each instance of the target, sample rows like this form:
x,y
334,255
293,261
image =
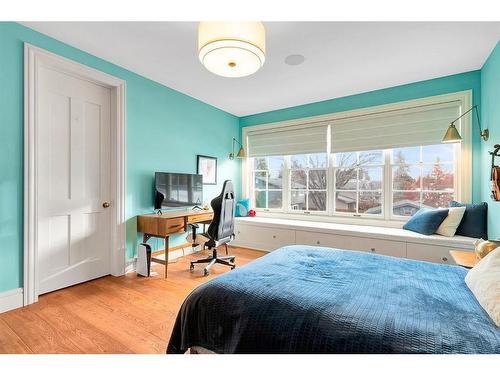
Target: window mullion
x,y
357,187
286,184
306,170
387,185
330,185
267,184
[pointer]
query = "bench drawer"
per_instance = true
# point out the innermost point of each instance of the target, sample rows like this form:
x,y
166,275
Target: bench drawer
x,y
430,253
320,239
377,246
263,238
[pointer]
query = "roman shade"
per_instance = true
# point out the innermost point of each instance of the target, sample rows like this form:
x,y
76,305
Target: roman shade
x,y
418,126
289,140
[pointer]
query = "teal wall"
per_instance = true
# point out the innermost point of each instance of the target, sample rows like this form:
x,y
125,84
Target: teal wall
x,y
165,132
438,86
490,118
161,123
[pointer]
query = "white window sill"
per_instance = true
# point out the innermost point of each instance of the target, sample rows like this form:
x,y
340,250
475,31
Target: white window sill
x,y
370,220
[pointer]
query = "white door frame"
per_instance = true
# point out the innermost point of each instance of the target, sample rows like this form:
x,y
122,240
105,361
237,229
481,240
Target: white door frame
x,y
33,57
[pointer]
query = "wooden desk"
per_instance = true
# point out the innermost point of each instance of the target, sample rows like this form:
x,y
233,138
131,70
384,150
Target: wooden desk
x,y
163,226
465,259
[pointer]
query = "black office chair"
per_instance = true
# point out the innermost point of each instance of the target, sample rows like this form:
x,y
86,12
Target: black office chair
x,y
221,229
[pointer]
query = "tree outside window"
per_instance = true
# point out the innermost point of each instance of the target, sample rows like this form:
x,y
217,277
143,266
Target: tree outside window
x,y
308,182
359,182
422,177
268,181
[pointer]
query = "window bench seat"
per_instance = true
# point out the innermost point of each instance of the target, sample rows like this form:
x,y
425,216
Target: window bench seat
x,y
268,234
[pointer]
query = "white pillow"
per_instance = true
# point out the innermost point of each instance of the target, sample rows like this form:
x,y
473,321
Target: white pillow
x,y
449,226
484,282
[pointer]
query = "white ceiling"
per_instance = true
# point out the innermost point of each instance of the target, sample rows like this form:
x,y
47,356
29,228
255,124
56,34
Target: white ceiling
x,y
341,58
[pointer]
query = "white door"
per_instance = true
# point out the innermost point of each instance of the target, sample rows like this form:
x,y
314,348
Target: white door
x,y
73,157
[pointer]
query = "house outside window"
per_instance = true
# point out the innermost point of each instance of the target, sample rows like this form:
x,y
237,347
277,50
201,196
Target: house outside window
x,y
419,177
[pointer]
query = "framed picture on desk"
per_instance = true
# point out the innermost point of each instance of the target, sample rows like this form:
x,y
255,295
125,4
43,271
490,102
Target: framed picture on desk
x,y
207,166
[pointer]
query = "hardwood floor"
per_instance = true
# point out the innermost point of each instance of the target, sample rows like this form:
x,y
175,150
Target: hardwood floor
x,y
127,314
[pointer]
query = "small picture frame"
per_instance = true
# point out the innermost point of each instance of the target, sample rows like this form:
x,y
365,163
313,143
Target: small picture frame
x,y
207,166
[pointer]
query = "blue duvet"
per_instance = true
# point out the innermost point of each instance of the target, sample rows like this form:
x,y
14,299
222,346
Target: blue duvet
x,y
302,299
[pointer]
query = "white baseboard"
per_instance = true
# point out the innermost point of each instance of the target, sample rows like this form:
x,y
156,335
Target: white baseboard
x,y
179,252
11,299
251,245
130,265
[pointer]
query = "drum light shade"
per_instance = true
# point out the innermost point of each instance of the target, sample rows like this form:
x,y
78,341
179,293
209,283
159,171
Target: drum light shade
x,y
232,49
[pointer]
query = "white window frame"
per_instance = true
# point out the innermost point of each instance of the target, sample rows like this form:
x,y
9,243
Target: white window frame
x,y
389,165
384,190
251,194
463,161
288,207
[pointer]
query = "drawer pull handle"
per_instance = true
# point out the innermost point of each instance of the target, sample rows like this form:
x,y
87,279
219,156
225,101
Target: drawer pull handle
x,y
372,249
318,243
274,236
445,259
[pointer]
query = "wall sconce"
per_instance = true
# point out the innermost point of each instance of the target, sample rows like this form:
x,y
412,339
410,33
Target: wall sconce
x,y
241,152
452,135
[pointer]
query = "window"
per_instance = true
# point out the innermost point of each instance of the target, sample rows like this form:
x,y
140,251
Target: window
x,y
267,177
308,182
381,184
359,182
373,164
422,177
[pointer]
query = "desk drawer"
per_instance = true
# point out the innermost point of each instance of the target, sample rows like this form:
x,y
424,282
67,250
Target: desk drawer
x,y
200,218
168,226
147,224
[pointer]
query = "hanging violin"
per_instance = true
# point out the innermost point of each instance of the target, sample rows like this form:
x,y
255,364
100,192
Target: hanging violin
x,y
495,174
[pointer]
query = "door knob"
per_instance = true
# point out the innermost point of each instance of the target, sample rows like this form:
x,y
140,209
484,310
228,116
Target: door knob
x,y
105,204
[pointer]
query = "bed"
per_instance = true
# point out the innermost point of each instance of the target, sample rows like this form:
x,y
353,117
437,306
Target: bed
x,y
303,299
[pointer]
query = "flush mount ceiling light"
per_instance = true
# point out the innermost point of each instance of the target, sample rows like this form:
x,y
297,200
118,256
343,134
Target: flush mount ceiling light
x,y
232,49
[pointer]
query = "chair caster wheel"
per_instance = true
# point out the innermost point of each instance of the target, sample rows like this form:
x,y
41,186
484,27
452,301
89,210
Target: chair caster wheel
x,y
205,272
233,267
191,268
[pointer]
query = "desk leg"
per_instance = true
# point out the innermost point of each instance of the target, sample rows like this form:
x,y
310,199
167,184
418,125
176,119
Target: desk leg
x,y
166,256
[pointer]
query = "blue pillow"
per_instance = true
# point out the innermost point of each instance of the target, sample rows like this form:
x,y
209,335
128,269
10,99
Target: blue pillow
x,y
242,207
475,222
426,221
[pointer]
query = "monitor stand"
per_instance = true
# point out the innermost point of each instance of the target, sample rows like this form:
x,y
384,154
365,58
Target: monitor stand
x,y
196,207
